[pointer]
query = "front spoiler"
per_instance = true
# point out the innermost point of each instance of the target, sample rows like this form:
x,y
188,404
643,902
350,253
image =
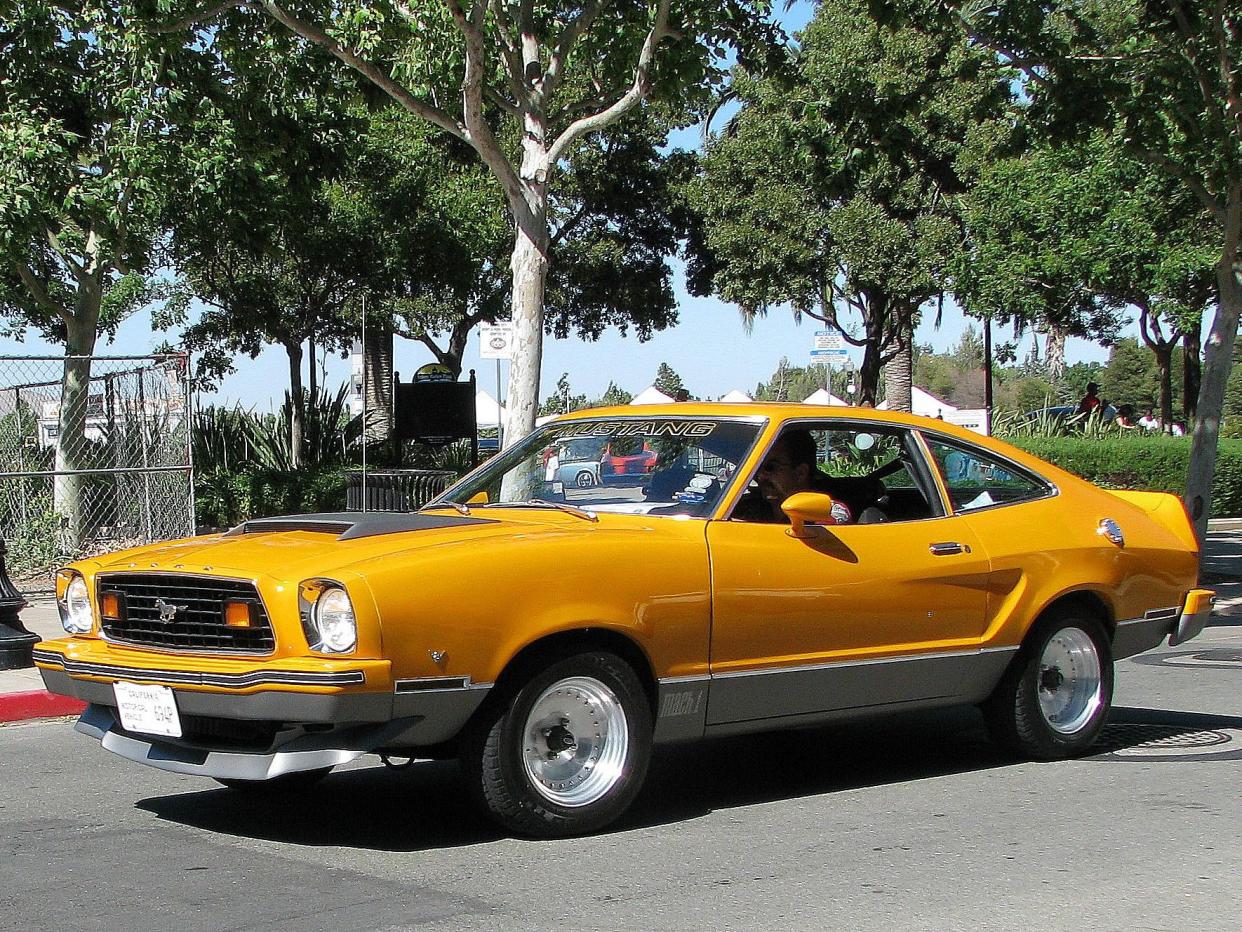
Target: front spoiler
x,y
303,752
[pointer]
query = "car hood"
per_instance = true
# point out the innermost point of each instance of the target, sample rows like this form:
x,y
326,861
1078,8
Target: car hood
x,y
302,546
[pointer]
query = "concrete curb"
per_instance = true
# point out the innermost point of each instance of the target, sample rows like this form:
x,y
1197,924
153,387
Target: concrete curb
x,y
37,703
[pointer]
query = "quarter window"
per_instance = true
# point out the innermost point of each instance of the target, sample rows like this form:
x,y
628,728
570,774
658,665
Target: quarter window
x,y
975,480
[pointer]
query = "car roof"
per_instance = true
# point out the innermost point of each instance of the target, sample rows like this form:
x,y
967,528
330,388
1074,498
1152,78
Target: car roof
x,y
773,410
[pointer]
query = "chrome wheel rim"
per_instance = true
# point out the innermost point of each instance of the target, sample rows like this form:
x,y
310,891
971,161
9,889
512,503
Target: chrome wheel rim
x,y
575,741
1070,682
585,480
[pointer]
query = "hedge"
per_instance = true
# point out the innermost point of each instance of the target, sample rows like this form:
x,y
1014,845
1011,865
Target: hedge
x,y
223,499
1155,463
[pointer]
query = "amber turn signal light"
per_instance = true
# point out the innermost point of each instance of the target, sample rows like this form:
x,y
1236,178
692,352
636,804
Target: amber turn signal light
x,y
110,605
237,614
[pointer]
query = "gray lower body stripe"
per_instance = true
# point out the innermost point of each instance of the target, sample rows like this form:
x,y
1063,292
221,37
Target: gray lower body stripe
x,y
869,661
190,678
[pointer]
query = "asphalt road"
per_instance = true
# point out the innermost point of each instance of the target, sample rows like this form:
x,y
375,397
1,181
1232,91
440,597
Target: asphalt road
x,y
916,823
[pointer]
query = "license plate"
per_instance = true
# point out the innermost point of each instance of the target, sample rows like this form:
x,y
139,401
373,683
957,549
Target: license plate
x,y
149,710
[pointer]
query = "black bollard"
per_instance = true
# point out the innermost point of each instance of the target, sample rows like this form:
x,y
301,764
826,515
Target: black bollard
x,y
16,643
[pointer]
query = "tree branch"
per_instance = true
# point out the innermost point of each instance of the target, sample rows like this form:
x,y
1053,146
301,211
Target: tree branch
x,y
638,90
314,34
1228,68
37,289
201,17
1161,161
478,133
573,32
512,55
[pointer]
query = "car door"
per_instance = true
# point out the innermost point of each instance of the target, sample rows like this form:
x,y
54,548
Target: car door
x,y
859,616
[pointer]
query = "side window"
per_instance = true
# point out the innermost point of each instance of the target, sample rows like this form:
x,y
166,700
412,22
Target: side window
x,y
976,480
868,469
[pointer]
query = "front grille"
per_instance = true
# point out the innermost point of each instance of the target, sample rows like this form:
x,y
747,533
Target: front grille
x,y
196,607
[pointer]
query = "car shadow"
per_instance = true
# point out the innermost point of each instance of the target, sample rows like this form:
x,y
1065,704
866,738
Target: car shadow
x,y
426,806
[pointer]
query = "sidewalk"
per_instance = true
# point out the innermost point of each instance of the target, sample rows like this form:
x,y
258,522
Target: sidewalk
x,y
22,695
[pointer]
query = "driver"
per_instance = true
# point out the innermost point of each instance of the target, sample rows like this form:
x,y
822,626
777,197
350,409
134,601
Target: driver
x,y
789,467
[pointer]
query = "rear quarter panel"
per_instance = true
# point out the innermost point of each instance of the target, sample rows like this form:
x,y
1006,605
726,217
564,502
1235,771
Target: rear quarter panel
x,y
1045,549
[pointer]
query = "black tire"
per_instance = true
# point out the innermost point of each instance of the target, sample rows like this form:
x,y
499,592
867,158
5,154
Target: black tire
x,y
1043,712
585,479
504,749
285,783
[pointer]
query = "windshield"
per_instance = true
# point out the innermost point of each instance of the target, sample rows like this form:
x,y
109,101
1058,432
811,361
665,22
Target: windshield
x,y
657,466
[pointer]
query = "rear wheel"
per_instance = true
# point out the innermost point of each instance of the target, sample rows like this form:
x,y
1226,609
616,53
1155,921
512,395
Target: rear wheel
x,y
566,752
1055,697
585,479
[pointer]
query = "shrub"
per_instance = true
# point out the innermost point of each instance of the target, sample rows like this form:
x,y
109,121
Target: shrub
x,y
1150,462
224,499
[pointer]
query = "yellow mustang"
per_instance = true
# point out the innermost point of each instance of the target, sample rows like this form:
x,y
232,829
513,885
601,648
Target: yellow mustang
x,y
717,569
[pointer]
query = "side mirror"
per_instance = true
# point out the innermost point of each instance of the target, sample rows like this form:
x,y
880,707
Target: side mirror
x,y
805,507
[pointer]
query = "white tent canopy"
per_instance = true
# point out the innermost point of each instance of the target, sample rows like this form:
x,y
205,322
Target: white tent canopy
x,y
737,396
651,396
822,397
486,410
925,404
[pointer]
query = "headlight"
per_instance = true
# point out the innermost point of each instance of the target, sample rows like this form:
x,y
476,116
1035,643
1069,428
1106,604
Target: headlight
x,y
76,616
333,622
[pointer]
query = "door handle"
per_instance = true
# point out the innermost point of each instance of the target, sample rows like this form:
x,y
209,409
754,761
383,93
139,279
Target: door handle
x,y
948,548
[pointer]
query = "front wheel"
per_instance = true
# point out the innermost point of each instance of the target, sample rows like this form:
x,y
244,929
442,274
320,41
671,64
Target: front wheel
x,y
1055,697
567,752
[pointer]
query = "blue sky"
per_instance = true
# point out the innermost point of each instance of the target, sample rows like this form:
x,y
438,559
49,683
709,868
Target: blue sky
x,y
709,347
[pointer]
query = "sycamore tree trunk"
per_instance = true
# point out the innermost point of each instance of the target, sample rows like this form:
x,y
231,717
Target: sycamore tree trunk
x,y
529,267
81,330
297,409
1218,359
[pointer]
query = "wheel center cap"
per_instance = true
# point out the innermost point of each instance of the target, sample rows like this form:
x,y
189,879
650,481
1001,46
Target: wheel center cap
x,y
1051,678
559,738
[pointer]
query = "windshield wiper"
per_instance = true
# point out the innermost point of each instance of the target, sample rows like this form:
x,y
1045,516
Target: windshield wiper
x,y
559,506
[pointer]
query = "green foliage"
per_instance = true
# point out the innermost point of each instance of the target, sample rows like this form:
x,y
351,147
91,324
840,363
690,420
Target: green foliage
x,y
85,161
224,499
668,381
227,439
836,191
1149,462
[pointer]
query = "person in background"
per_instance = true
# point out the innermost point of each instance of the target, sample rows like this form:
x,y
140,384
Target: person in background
x,y
1179,429
1090,401
1148,421
1125,418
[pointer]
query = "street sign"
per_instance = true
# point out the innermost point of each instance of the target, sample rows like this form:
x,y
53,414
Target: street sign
x,y
829,346
496,341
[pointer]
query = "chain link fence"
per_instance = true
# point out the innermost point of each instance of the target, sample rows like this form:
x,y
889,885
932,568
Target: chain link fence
x,y
95,455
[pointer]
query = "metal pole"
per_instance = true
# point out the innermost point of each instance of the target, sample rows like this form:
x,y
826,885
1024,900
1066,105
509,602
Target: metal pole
x,y
146,461
499,427
364,404
187,386
987,376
